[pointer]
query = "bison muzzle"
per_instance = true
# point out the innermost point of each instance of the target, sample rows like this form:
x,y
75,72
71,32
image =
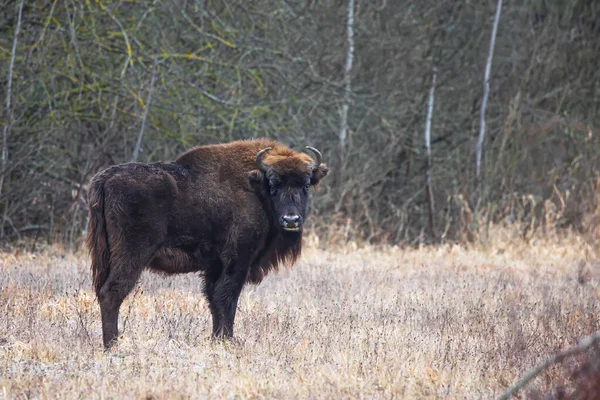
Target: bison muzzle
x,y
230,211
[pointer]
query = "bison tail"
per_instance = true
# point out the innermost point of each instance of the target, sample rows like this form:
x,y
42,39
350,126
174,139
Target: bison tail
x,y
97,236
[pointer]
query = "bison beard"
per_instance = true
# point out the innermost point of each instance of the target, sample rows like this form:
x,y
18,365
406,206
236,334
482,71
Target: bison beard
x,y
232,212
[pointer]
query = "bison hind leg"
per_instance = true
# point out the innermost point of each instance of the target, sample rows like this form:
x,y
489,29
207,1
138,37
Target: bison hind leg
x,y
124,273
112,294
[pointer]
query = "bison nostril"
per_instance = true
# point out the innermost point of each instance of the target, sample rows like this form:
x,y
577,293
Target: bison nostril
x,y
292,220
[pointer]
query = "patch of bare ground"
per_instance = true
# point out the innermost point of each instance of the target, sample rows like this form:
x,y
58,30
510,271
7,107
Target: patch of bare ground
x,y
435,322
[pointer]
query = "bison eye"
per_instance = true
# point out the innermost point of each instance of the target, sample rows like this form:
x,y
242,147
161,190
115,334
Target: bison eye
x,y
273,190
307,187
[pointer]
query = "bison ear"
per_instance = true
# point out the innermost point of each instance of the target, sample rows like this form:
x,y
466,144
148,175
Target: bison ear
x,y
256,178
319,174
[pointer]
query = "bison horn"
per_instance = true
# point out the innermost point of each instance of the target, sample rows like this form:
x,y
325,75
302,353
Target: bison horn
x,y
259,159
318,154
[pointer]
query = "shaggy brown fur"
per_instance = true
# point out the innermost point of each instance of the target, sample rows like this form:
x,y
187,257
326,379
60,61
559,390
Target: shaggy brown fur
x,y
213,210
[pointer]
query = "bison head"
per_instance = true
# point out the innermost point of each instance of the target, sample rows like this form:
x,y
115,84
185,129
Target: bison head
x,y
285,177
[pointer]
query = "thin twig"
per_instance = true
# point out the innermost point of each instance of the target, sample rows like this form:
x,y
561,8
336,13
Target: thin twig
x,y
215,98
6,129
130,307
81,321
583,345
128,51
147,107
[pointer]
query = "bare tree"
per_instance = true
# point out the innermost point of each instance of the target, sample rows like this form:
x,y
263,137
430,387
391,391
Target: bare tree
x,y
347,85
6,129
430,103
486,93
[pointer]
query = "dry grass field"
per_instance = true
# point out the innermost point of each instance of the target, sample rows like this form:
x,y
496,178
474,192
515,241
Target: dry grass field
x,y
443,322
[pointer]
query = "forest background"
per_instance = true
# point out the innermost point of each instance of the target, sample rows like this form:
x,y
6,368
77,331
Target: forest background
x,y
87,84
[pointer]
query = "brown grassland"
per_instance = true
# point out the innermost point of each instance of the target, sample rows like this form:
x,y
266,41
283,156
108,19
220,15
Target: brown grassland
x,y
354,322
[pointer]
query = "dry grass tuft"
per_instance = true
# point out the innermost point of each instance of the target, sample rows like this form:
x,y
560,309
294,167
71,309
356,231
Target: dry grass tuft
x,y
355,322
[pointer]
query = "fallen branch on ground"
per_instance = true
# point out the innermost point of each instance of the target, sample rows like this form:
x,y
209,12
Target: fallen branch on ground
x,y
583,345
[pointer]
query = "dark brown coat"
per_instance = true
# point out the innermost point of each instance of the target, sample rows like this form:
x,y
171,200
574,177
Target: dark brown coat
x,y
219,209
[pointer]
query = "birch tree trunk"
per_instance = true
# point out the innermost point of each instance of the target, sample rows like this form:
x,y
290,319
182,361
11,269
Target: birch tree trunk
x,y
347,89
430,203
486,92
6,130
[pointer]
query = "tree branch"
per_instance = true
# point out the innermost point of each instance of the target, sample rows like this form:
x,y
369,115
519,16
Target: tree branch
x,y
136,150
128,51
583,345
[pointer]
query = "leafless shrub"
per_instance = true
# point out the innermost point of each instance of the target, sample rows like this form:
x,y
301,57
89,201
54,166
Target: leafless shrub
x,y
228,69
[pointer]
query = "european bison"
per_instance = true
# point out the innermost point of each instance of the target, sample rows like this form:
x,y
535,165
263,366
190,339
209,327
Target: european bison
x,y
232,211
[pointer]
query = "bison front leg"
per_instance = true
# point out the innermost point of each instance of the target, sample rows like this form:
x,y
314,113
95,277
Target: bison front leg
x,y
223,292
